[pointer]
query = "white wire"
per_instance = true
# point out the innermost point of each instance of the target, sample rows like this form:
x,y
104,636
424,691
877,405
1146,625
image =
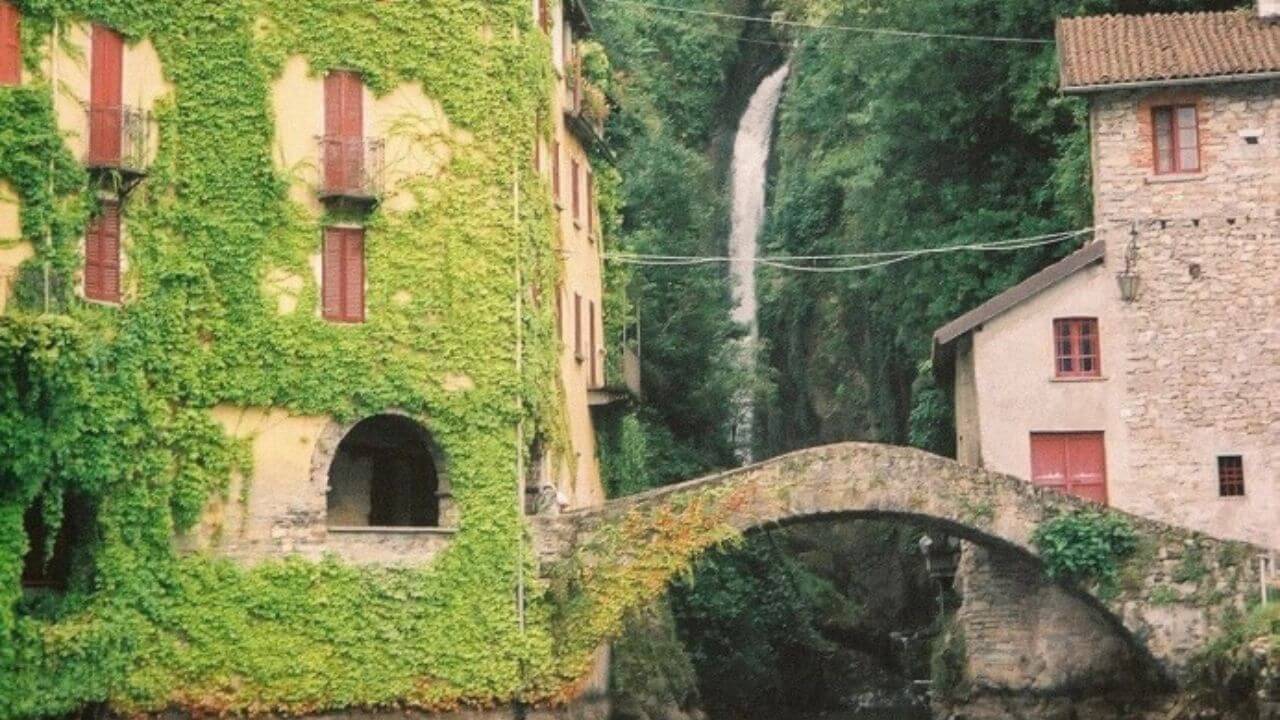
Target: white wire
x,y
881,258
842,28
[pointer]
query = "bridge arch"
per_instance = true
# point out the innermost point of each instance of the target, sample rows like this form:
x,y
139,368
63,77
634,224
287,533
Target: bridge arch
x,y
622,555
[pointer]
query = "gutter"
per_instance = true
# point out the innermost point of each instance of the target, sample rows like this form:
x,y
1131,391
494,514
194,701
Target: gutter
x,y
1143,84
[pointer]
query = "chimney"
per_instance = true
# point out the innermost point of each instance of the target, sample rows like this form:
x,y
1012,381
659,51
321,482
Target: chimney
x,y
1269,10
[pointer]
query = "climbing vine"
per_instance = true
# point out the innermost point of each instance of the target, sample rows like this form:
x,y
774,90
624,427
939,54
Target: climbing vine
x,y
112,404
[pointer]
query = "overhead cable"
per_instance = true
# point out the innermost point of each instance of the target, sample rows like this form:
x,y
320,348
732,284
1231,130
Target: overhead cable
x,y
913,34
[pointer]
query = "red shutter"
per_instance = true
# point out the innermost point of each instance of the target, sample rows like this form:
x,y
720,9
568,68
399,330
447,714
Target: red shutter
x,y
10,44
106,89
332,272
1074,463
577,205
555,169
353,271
591,204
591,324
577,326
344,131
102,255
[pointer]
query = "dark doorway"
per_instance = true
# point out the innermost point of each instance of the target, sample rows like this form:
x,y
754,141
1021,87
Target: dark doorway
x,y
384,475
50,567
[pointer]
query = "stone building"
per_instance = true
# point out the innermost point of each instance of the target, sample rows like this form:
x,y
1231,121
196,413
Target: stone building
x,y
1143,370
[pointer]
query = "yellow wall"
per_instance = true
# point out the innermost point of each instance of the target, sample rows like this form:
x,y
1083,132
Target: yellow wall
x,y
13,251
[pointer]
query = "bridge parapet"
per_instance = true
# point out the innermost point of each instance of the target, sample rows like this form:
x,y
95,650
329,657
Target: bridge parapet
x,y
1180,590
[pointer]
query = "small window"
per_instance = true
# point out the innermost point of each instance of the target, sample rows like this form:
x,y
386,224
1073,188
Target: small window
x,y
555,170
1230,475
10,44
1077,350
343,274
577,327
577,204
1177,139
102,255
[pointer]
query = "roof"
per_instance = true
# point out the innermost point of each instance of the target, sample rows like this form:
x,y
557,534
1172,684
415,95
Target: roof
x,y
1105,51
944,338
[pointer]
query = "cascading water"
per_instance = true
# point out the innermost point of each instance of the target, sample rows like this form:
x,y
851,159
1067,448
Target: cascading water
x,y
749,174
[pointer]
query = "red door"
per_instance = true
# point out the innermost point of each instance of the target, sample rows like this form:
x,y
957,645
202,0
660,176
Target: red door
x,y
1074,463
10,45
344,131
106,92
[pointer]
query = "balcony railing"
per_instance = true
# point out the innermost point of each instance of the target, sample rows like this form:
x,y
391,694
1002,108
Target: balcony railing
x,y
119,136
351,168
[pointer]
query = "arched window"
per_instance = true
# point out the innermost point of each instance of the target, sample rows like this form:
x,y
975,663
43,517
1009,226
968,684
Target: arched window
x,y
384,475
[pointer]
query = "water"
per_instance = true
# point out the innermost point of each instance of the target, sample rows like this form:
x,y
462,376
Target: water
x,y
749,174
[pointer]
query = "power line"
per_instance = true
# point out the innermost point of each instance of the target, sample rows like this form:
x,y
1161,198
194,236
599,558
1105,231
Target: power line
x,y
875,260
842,28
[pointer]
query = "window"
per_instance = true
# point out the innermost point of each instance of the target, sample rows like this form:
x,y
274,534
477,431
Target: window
x,y
1177,139
577,204
1073,463
1077,352
1230,475
46,568
555,170
544,15
344,133
384,474
10,45
591,205
595,353
343,274
106,92
577,327
102,254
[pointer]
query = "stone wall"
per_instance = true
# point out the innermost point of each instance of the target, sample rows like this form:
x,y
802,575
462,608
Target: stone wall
x,y
1202,355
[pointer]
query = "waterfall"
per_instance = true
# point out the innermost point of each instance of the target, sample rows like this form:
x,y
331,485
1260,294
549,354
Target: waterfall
x,y
749,174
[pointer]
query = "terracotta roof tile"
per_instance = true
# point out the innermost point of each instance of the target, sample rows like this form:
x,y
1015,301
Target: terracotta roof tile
x,y
1103,50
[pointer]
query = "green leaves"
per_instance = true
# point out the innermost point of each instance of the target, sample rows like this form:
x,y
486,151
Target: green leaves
x,y
1085,545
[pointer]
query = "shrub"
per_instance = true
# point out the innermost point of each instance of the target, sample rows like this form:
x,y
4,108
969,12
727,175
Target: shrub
x,y
1085,545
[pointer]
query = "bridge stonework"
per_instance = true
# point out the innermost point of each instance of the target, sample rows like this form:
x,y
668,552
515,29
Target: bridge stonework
x,y
623,554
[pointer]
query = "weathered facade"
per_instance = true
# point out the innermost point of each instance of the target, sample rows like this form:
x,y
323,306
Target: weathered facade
x,y
1154,348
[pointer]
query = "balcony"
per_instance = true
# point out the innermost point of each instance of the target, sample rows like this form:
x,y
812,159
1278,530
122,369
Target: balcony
x,y
352,170
621,376
586,106
119,138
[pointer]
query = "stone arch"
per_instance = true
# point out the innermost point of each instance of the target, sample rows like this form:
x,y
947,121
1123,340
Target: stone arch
x,y
643,540
383,470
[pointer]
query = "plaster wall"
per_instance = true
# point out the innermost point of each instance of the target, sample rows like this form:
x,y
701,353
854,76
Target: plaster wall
x,y
13,250
282,508
1016,392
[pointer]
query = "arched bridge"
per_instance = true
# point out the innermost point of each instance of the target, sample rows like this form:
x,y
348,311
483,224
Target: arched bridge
x,y
622,555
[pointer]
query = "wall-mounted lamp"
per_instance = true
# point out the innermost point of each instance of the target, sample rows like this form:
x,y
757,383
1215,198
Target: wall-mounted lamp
x,y
1128,278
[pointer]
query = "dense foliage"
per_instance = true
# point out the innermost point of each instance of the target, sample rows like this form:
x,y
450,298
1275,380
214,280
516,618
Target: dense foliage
x,y
1085,545
891,143
107,409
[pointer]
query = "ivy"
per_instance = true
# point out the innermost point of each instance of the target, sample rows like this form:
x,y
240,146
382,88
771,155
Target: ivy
x,y
1085,545
112,404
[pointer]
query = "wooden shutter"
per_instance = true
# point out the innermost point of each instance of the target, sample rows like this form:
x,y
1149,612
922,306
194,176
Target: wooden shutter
x,y
344,131
102,255
591,204
577,205
10,44
591,344
106,89
555,169
343,274
577,326
1073,463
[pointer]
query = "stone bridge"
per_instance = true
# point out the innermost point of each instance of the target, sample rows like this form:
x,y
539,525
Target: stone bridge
x,y
1176,593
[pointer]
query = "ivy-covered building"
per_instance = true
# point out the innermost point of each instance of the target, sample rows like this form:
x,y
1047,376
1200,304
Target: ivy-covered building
x,y
300,318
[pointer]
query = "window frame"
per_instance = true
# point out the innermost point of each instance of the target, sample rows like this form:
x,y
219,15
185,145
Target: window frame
x,y
10,44
1075,353
1231,477
1175,148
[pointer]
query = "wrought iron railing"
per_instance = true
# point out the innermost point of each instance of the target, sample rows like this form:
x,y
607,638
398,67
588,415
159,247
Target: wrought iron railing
x,y
119,137
351,167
